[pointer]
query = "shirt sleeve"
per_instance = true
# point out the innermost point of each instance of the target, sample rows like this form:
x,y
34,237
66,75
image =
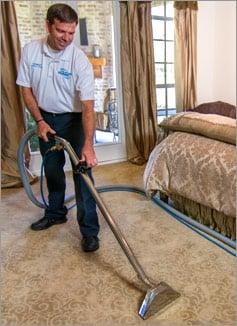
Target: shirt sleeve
x,y
23,77
85,83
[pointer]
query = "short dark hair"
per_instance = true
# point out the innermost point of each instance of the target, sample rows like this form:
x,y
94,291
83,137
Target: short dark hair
x,y
61,12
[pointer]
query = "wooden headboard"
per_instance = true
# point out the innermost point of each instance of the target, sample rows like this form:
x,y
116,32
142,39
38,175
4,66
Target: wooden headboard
x,y
218,107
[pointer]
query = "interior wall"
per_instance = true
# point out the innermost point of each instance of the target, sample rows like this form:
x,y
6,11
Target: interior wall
x,y
216,51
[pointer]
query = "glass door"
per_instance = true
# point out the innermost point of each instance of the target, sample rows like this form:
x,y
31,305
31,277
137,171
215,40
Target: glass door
x,y
109,136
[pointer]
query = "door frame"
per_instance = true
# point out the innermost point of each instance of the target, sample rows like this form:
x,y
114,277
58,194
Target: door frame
x,y
115,152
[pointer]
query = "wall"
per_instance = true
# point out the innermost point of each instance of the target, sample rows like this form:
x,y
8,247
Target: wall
x,y
31,21
216,51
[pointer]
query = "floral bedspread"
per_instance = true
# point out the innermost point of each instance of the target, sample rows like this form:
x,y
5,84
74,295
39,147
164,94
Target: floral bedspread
x,y
195,167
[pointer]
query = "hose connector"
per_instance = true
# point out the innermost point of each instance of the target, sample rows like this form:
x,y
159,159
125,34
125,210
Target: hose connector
x,y
56,148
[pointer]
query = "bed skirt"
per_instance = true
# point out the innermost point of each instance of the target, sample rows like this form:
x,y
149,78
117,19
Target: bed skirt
x,y
226,225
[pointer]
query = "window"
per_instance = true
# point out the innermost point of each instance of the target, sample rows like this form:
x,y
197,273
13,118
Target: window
x,y
163,40
34,142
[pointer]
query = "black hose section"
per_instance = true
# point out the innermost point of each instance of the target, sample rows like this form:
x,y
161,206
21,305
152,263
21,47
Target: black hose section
x,y
173,212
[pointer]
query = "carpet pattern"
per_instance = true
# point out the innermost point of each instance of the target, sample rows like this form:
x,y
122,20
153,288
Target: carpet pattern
x,y
48,280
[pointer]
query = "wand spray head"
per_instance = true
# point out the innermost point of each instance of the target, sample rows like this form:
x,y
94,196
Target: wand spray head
x,y
156,299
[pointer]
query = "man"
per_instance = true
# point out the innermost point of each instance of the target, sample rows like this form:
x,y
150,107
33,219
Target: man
x,y
57,84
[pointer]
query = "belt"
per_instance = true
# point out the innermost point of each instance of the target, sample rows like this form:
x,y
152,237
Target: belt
x,y
52,114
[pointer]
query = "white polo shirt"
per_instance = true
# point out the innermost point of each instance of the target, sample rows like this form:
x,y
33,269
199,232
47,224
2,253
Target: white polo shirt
x,y
59,80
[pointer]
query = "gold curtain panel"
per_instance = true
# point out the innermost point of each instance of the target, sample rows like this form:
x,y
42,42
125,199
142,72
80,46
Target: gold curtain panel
x,y
186,4
12,116
138,79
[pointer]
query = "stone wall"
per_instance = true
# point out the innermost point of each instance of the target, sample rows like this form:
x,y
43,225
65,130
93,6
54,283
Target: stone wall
x,y
31,25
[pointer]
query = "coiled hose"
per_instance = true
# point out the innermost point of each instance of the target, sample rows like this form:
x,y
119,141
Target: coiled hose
x,y
189,222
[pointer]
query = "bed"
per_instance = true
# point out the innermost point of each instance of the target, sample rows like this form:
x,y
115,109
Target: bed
x,y
193,165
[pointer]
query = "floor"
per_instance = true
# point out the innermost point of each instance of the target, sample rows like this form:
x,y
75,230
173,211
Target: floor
x,y
47,280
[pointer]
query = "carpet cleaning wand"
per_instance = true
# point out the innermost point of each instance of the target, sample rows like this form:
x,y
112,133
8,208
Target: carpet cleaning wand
x,y
157,296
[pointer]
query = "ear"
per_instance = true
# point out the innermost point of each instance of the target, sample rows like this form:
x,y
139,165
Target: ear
x,y
47,26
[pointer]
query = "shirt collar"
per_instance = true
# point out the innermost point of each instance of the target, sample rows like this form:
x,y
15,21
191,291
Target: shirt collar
x,y
63,55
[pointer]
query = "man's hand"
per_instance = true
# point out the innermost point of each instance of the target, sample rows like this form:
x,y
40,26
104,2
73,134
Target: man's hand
x,y
88,156
88,122
43,128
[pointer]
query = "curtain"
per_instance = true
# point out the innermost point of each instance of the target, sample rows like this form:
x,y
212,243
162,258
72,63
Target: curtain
x,y
12,108
138,79
185,19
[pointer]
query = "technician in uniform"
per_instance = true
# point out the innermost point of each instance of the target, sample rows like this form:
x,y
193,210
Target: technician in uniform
x,y
57,84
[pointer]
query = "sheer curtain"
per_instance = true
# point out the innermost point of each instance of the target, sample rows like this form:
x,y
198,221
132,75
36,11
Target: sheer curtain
x,y
138,79
185,53
12,108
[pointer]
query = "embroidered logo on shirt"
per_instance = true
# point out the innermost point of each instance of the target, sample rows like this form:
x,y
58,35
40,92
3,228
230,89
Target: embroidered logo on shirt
x,y
66,74
36,65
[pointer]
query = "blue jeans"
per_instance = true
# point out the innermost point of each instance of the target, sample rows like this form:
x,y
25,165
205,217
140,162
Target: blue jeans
x,y
68,126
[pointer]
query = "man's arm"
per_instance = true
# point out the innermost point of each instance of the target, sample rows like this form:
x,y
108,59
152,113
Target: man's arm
x,y
42,127
88,122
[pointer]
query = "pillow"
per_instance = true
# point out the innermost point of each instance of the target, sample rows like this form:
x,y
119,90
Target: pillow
x,y
208,125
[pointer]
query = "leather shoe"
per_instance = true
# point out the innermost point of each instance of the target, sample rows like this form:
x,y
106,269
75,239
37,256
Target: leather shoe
x,y
47,222
90,243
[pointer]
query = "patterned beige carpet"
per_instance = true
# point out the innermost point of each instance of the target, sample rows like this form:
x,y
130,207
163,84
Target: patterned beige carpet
x,y
48,280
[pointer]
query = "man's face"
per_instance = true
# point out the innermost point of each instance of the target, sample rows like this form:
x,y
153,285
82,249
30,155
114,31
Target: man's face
x,y
60,34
